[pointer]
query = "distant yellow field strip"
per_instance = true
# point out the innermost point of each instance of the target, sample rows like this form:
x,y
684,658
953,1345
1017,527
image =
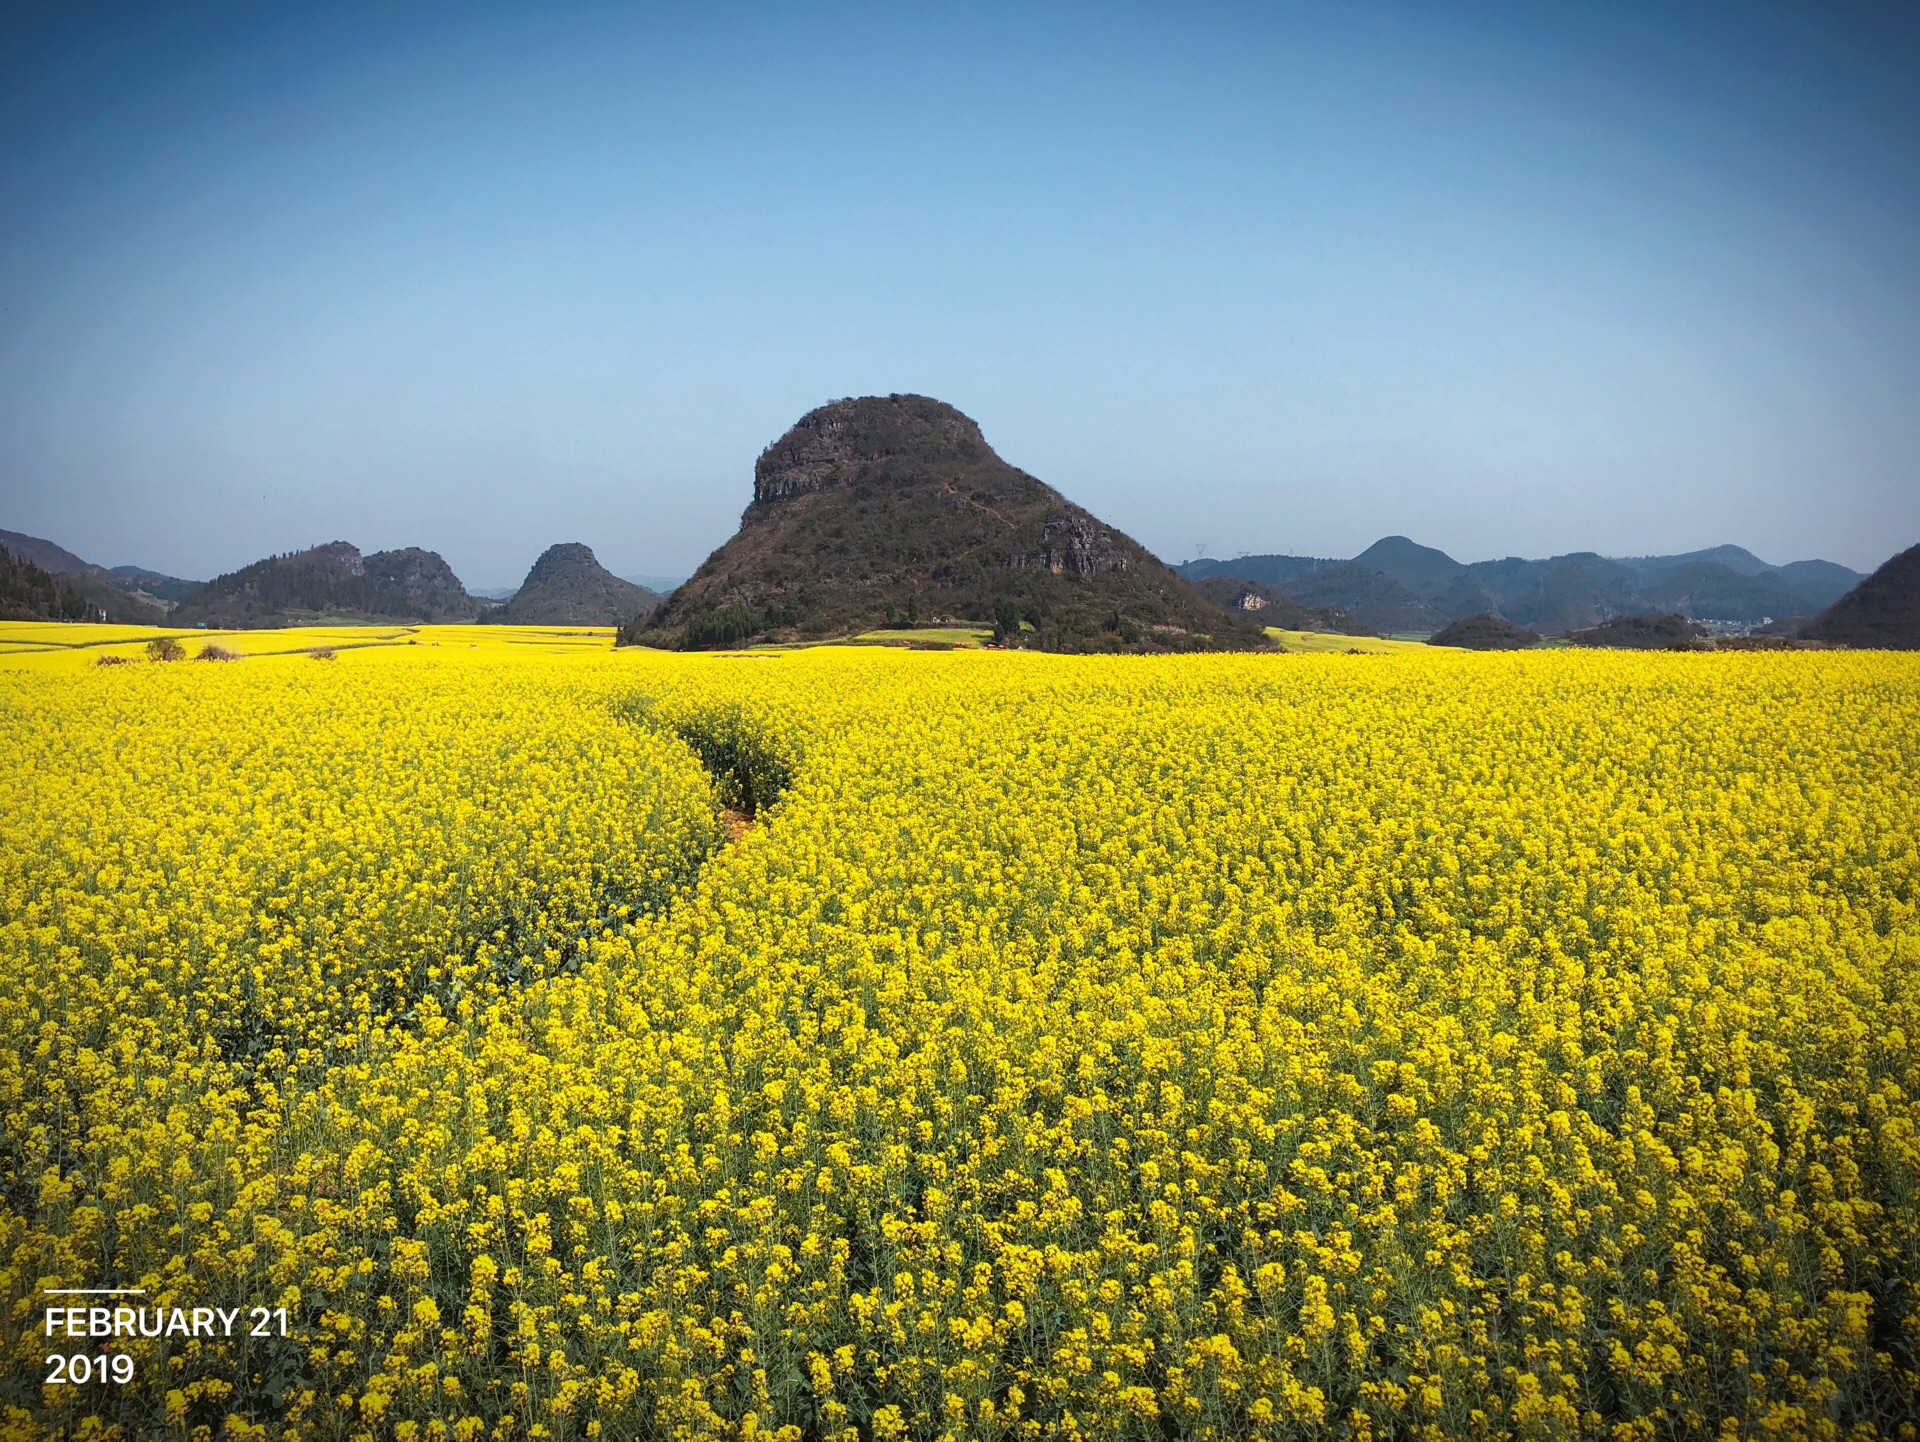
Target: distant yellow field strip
x,y
1313,642
42,644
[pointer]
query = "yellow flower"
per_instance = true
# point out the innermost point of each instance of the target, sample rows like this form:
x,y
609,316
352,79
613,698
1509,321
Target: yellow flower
x,y
1415,1045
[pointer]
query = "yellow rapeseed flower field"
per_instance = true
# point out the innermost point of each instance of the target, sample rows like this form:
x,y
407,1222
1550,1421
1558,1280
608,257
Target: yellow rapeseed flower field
x,y
1319,1046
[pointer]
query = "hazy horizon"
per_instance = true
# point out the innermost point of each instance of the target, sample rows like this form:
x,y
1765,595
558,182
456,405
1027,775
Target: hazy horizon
x,y
666,581
1507,280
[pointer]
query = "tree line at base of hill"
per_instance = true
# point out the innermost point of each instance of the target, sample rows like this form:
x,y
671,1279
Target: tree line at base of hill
x,y
28,593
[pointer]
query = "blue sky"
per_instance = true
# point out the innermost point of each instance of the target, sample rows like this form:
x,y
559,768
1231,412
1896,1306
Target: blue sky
x,y
1509,279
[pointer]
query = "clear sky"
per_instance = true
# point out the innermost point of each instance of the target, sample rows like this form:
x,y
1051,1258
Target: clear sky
x,y
1508,279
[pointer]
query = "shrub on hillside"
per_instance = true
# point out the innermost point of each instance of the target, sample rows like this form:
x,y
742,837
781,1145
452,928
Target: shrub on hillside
x,y
1484,633
1642,633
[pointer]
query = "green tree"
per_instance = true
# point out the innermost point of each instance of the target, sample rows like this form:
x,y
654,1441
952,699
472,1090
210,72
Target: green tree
x,y
1006,621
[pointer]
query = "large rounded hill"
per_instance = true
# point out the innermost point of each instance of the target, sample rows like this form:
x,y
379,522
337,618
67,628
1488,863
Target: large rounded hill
x,y
891,510
1883,611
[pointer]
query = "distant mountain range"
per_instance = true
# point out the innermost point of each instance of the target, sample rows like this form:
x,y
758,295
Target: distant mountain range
x,y
330,584
894,510
659,585
1399,585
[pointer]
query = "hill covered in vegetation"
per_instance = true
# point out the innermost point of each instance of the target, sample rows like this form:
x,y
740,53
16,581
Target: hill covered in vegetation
x,y
1396,584
103,594
1378,601
1882,612
1671,632
890,510
1484,633
331,583
568,586
1271,607
32,593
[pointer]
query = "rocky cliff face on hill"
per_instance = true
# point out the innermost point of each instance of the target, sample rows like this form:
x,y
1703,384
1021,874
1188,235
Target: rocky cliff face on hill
x,y
1266,606
569,587
331,583
1882,612
895,510
424,581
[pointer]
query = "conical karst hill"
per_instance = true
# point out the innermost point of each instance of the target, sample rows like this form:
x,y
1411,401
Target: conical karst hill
x,y
567,586
889,510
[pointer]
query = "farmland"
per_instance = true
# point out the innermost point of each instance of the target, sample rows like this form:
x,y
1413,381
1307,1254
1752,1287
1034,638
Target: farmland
x,y
860,1043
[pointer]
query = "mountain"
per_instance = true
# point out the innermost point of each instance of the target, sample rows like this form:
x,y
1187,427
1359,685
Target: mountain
x,y
568,587
424,582
1737,559
1700,585
1583,589
156,585
1821,582
1557,594
1718,592
1421,569
30,592
1268,570
1560,593
1372,598
331,583
1269,607
886,508
54,560
1883,611
97,588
